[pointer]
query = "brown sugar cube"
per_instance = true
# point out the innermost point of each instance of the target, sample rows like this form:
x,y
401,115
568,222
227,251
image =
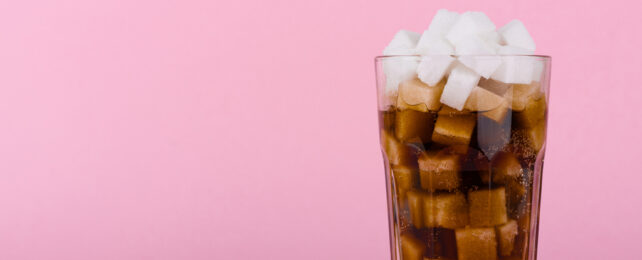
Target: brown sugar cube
x,y
516,189
506,234
521,242
447,210
387,119
499,113
494,86
481,99
406,178
411,247
416,207
449,111
416,95
413,126
453,129
521,146
403,216
432,238
537,135
487,207
504,166
476,243
396,152
439,171
534,111
523,93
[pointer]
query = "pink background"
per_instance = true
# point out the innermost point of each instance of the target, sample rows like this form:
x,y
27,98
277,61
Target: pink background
x,y
247,129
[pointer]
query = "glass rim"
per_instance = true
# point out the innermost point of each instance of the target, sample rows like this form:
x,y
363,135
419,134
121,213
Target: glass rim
x,y
543,57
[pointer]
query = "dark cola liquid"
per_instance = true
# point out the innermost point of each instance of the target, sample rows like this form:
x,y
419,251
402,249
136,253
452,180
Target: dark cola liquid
x,y
463,184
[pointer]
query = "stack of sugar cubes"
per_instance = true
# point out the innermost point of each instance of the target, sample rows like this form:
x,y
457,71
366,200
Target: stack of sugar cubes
x,y
465,47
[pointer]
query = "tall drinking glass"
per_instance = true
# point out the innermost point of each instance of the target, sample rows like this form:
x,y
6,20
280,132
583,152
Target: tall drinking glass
x,y
463,161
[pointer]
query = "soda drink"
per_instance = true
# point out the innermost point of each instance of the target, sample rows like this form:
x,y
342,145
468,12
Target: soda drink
x,y
463,182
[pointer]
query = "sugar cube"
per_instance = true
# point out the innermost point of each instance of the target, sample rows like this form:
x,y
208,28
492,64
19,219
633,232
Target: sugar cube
x,y
534,111
515,69
484,66
396,152
481,99
504,167
460,83
516,189
520,246
416,95
406,179
506,234
497,87
432,69
452,129
487,207
515,34
522,146
469,24
522,94
433,43
447,210
403,43
492,37
476,243
416,207
387,118
475,45
413,126
537,135
499,113
397,70
443,21
439,171
449,111
411,247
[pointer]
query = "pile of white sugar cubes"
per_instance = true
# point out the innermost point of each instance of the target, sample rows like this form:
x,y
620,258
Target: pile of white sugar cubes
x,y
456,45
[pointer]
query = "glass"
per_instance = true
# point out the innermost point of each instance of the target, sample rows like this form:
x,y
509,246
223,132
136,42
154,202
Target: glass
x,y
463,184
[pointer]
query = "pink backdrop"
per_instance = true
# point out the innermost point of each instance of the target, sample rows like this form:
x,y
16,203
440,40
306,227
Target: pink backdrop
x,y
247,129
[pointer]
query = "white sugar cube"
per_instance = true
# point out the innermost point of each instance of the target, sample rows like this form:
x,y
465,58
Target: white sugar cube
x,y
398,70
538,70
432,43
432,69
403,43
492,37
443,21
460,83
469,24
475,45
515,70
484,66
515,34
512,50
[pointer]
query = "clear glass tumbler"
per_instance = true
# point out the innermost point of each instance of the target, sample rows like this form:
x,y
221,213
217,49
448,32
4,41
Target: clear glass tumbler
x,y
463,180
